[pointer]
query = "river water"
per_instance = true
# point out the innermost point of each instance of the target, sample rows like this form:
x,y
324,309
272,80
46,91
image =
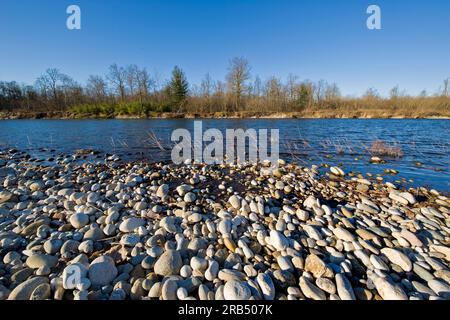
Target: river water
x,y
422,147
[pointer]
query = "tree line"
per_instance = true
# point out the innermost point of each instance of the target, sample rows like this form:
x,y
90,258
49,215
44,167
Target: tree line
x,y
131,90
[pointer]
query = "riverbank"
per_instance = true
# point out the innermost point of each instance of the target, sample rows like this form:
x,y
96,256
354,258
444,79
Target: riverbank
x,y
136,230
313,114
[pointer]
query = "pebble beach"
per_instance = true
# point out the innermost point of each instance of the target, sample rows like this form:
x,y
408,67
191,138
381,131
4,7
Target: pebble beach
x,y
158,231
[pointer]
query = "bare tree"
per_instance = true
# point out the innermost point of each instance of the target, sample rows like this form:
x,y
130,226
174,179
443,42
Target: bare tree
x,y
319,90
446,88
274,94
144,83
207,86
371,93
72,91
117,77
50,84
131,76
219,96
238,74
394,93
291,86
257,87
47,84
206,92
97,88
332,92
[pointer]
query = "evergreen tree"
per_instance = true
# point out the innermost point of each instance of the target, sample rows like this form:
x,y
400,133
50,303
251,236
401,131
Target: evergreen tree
x,y
178,87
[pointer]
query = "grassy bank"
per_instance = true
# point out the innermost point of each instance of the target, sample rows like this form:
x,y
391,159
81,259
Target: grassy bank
x,y
106,112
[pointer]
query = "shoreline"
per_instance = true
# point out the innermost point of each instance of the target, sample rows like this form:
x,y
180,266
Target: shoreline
x,y
239,115
226,117
147,231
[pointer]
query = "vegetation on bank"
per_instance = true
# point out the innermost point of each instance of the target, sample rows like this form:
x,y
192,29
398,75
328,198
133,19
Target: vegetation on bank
x,y
133,92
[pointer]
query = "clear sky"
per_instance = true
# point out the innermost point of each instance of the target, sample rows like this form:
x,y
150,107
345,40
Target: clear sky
x,y
315,39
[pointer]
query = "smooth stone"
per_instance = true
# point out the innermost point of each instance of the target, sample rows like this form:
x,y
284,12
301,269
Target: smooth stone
x,y
155,291
199,264
267,286
343,234
37,261
396,197
326,285
130,224
5,196
129,240
441,288
182,293
388,290
102,271
213,270
183,189
310,290
162,191
363,294
169,290
42,292
169,263
230,274
398,258
79,220
22,275
93,234
409,197
278,240
24,290
317,267
344,287
52,246
378,263
411,238
235,202
236,290
189,197
229,243
422,272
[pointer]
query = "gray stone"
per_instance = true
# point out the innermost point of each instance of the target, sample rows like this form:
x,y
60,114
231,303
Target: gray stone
x,y
42,292
102,271
52,246
326,285
278,240
235,202
37,261
399,258
267,286
388,290
24,290
169,263
343,234
130,224
79,220
169,290
310,290
5,196
236,290
344,287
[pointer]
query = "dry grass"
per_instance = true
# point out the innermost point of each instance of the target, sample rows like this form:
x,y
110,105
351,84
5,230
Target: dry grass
x,y
383,149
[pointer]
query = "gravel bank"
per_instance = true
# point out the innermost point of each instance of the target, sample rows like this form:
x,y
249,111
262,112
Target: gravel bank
x,y
158,231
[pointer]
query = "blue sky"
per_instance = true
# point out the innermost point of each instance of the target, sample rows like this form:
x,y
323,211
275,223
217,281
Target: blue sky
x,y
315,39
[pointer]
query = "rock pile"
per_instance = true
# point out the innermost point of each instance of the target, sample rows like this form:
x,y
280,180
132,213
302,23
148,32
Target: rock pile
x,y
119,231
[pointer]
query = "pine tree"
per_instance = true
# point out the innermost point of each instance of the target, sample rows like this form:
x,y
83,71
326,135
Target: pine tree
x,y
178,87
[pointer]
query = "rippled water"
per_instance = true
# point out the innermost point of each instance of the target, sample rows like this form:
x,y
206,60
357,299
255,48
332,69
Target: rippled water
x,y
334,141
